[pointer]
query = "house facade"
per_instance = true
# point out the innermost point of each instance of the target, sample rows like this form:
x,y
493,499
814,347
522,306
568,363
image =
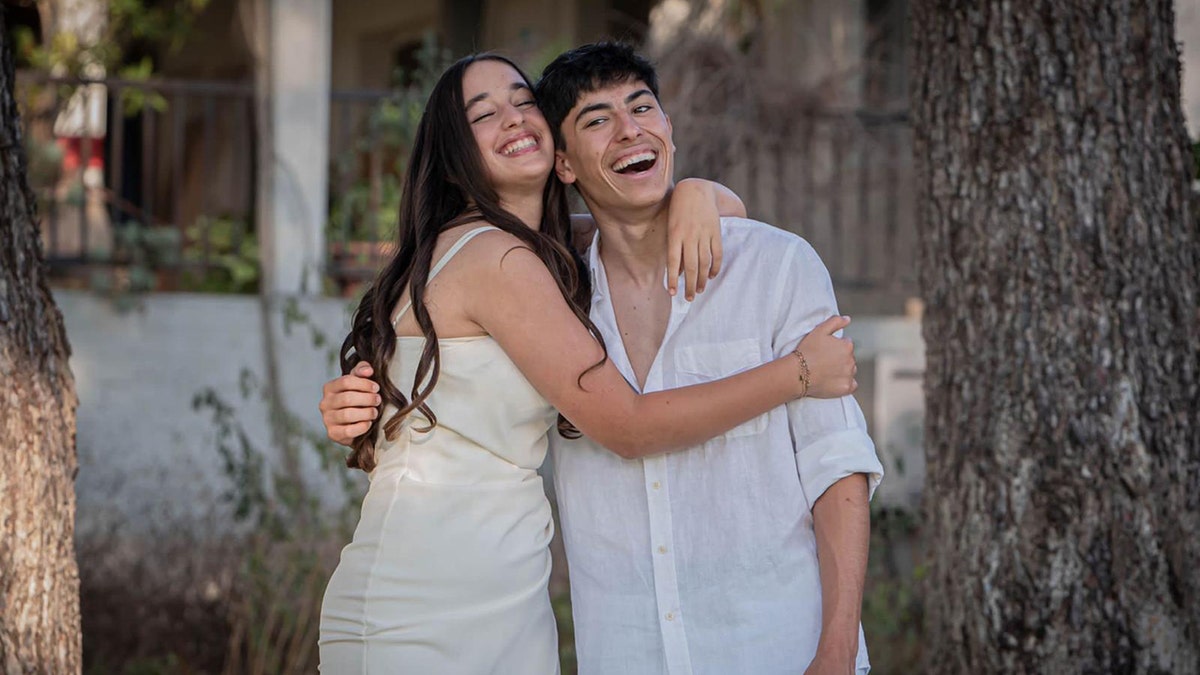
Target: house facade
x,y
798,106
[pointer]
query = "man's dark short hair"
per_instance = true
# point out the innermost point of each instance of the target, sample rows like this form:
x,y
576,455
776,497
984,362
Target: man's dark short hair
x,y
583,70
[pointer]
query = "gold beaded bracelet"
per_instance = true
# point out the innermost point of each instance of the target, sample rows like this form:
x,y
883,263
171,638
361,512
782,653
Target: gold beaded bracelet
x,y
804,372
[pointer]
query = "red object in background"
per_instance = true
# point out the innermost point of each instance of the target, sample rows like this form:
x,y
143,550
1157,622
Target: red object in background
x,y
72,148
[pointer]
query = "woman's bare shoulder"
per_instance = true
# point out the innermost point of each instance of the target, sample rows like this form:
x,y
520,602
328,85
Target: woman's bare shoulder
x,y
494,252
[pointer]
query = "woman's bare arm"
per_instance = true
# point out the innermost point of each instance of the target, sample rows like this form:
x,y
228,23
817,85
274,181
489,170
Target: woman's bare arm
x,y
519,305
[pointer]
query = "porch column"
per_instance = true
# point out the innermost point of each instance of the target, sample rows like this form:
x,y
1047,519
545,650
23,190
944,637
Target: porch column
x,y
296,183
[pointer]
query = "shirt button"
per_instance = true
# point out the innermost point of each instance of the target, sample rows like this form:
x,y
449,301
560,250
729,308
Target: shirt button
x,y
662,549
670,616
656,485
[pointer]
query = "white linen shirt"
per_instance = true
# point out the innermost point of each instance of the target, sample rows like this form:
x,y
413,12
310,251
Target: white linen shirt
x,y
704,561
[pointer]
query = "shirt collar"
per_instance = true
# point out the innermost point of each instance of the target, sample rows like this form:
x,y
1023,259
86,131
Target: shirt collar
x,y
679,305
596,269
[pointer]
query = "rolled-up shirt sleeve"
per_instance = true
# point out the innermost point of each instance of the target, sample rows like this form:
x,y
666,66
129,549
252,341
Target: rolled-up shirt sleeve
x,y
829,436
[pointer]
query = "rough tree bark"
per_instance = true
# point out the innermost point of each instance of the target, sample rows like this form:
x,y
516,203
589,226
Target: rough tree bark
x,y
39,582
1060,269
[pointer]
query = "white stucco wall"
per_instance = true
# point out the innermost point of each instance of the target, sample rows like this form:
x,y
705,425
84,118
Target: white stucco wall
x,y
147,460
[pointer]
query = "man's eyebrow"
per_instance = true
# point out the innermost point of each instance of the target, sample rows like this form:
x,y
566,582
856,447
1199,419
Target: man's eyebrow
x,y
638,94
591,108
479,97
604,106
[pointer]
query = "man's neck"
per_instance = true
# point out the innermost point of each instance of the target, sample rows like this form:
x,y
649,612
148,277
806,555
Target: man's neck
x,y
634,244
633,249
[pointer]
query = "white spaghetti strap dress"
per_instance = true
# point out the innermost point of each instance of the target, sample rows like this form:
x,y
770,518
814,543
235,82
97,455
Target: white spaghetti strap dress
x,y
448,569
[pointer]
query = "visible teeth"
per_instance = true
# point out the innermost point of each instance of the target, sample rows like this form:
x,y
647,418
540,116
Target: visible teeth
x,y
518,145
644,156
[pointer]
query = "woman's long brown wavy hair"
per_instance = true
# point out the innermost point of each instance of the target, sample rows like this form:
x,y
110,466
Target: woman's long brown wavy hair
x,y
446,186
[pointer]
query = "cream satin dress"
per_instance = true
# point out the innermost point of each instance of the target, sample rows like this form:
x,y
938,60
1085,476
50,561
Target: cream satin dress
x,y
447,573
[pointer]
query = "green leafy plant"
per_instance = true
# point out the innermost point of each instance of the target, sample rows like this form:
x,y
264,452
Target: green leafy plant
x,y
892,609
134,99
354,219
133,265
221,256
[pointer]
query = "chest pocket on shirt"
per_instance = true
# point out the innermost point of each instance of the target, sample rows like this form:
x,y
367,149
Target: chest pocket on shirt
x,y
702,363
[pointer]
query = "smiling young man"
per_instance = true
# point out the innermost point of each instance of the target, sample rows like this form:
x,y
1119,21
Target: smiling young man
x,y
747,554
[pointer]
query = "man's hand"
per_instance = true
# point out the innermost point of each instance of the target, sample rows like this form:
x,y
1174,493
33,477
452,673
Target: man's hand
x,y
349,404
830,359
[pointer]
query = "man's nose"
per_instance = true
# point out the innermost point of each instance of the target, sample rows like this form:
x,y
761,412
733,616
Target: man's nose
x,y
629,127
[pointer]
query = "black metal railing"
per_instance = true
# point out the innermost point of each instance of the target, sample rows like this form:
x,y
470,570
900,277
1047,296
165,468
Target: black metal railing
x,y
157,178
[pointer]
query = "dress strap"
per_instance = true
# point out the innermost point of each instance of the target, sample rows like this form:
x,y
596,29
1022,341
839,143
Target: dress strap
x,y
458,246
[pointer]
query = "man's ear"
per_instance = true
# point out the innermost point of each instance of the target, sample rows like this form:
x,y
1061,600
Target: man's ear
x,y
562,167
670,131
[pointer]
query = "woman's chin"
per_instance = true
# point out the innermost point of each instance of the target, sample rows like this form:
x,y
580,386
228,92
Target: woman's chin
x,y
531,179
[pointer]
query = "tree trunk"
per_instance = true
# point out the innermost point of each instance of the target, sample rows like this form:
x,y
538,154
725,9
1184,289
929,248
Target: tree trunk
x,y
39,582
1060,262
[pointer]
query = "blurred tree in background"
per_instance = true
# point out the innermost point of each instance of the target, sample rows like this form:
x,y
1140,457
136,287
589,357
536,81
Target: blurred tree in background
x,y
1060,269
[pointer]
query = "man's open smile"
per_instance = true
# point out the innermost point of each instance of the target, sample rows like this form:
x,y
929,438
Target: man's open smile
x,y
639,161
